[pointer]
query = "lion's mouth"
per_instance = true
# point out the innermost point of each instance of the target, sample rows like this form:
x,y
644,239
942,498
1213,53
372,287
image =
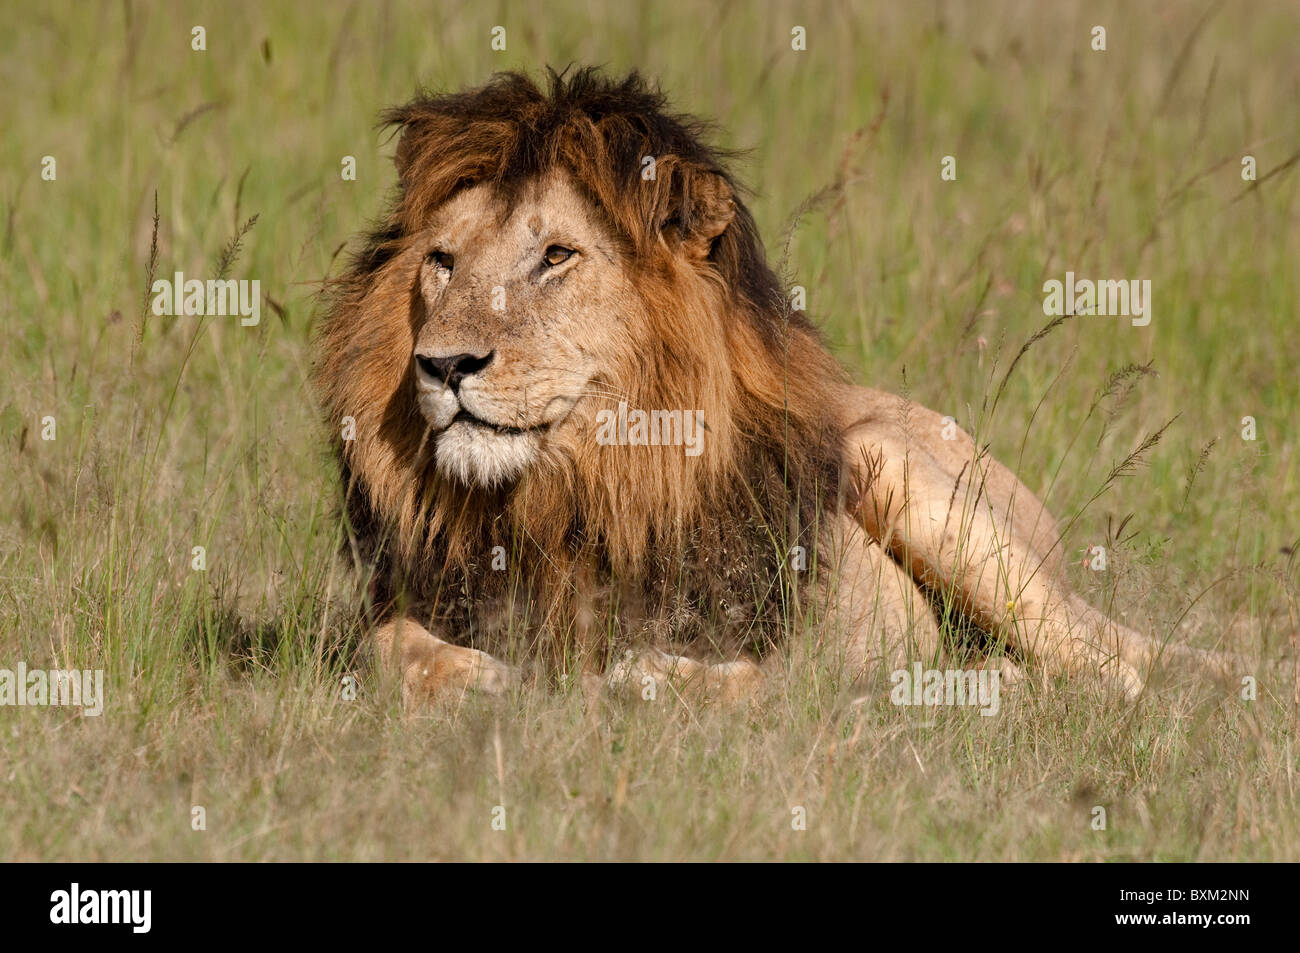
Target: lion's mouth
x,y
464,416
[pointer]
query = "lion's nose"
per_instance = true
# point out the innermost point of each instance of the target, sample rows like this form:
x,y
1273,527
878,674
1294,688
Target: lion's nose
x,y
452,369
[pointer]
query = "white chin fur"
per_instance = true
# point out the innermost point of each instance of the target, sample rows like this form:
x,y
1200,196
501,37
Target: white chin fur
x,y
478,456
438,404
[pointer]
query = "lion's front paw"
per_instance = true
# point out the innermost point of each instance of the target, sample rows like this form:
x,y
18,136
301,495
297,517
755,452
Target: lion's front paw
x,y
651,671
631,671
450,670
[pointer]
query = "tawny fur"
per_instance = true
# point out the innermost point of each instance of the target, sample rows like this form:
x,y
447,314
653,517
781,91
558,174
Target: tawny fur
x,y
608,547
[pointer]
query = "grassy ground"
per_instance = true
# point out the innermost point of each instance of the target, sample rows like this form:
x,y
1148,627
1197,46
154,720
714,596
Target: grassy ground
x,y
223,686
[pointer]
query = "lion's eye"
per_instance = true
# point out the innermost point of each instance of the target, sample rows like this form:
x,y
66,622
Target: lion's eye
x,y
440,259
557,255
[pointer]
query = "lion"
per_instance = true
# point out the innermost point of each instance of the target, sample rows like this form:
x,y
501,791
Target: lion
x,y
562,264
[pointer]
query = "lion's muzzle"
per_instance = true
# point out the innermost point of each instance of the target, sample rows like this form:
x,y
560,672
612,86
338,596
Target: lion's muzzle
x,y
470,447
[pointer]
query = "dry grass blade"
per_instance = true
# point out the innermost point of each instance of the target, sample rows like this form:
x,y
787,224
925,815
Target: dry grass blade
x,y
1037,336
150,271
230,252
1131,462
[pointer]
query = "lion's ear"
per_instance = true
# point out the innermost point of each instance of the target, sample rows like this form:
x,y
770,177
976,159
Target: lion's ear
x,y
415,133
426,143
706,207
434,156
405,150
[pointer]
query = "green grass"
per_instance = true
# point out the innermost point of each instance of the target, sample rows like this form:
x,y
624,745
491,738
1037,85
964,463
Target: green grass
x,y
223,685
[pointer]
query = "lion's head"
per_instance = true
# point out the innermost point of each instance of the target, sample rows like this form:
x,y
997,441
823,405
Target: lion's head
x,y
552,255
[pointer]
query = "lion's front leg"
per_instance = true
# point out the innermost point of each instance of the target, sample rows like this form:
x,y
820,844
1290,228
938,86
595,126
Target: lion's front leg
x,y
430,668
878,616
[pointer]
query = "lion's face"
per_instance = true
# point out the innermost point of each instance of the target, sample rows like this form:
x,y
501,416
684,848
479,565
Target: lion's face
x,y
519,312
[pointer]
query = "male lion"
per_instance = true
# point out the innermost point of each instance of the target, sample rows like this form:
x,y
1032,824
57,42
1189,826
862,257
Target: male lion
x,y
557,260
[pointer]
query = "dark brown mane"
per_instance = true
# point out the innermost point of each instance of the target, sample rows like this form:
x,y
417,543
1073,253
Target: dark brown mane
x,y
658,538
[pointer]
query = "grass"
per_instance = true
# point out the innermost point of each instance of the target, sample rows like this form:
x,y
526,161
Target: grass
x,y
223,686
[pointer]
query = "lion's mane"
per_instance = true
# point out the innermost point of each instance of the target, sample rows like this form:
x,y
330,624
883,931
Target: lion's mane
x,y
693,548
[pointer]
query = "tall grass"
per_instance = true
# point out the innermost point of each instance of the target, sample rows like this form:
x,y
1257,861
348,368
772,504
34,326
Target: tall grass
x,y
224,686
